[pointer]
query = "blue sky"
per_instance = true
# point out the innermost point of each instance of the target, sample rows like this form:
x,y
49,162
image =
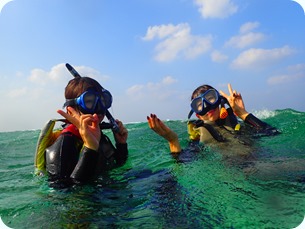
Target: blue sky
x,y
150,54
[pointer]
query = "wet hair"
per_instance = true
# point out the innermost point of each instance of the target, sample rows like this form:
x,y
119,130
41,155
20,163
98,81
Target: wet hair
x,y
200,90
79,85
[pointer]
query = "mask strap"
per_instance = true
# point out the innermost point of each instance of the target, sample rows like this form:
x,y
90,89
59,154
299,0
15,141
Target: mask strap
x,y
69,102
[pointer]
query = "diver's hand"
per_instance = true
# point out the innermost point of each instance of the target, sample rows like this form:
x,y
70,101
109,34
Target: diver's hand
x,y
160,128
88,126
122,134
236,102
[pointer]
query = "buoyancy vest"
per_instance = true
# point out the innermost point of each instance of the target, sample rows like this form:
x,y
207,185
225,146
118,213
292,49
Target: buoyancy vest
x,y
206,130
48,136
228,140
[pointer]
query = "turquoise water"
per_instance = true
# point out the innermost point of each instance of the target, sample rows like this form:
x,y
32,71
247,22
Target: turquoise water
x,y
153,190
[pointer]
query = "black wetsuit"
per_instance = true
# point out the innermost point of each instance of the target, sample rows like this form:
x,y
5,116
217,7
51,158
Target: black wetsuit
x,y
261,128
235,146
68,162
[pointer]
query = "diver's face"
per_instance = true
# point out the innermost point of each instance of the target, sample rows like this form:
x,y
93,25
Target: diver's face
x,y
211,115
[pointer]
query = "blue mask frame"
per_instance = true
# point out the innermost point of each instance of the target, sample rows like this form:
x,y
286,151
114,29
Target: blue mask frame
x,y
205,102
91,102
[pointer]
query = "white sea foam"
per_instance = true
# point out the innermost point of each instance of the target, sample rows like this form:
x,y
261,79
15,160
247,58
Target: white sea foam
x,y
263,114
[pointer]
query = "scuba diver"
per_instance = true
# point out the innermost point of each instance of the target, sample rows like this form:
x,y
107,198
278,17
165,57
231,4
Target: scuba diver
x,y
82,151
217,124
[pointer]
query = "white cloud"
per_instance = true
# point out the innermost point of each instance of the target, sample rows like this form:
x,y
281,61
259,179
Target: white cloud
x,y
198,46
60,74
92,73
246,37
297,68
15,93
259,58
57,73
249,26
151,90
167,80
245,40
162,98
294,73
177,41
38,96
218,57
216,8
284,79
162,31
135,90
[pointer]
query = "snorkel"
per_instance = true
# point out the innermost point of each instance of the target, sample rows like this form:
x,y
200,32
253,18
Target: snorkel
x,y
113,125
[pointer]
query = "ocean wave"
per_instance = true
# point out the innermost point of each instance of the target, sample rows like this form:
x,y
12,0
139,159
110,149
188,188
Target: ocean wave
x,y
264,114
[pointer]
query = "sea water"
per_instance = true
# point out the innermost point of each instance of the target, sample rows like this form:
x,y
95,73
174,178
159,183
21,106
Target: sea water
x,y
154,190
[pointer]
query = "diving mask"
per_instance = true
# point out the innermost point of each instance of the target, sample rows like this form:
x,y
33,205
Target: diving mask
x,y
91,102
205,102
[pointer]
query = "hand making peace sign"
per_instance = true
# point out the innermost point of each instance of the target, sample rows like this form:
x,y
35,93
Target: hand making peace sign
x,y
236,102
